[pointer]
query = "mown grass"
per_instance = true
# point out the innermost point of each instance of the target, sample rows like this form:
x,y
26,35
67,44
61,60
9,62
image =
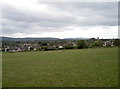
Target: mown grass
x,y
67,68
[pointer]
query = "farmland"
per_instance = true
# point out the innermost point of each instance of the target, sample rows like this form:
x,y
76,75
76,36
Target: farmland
x,y
93,67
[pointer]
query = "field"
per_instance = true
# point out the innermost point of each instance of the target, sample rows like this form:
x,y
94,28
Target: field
x,y
96,67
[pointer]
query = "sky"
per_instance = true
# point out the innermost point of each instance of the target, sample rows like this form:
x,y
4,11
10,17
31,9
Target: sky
x,y
32,18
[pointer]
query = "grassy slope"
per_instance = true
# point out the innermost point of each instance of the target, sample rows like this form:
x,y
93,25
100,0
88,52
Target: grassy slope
x,y
68,68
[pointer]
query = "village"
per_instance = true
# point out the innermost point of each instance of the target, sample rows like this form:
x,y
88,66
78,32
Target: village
x,y
56,45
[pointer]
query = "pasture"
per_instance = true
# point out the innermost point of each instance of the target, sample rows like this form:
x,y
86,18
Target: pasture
x,y
96,67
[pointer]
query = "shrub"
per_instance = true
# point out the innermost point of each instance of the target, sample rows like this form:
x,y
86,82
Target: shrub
x,y
81,44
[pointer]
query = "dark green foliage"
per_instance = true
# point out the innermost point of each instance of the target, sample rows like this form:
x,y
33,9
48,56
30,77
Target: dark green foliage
x,y
69,46
44,48
81,44
116,42
97,43
3,49
31,48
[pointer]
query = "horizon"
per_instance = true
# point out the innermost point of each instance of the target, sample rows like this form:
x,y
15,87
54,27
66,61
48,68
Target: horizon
x,y
61,38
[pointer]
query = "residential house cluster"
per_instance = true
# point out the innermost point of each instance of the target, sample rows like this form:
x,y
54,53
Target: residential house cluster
x,y
49,46
34,47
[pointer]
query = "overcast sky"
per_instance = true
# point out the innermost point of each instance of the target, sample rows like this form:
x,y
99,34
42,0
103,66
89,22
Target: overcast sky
x,y
31,18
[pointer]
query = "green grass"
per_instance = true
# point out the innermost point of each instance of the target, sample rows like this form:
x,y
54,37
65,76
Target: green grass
x,y
67,68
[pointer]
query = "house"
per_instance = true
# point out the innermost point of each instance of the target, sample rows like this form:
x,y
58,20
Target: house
x,y
74,45
52,47
12,49
6,49
60,47
107,43
34,49
18,49
29,48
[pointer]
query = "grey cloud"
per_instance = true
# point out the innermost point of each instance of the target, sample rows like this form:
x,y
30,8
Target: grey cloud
x,y
107,10
45,20
91,14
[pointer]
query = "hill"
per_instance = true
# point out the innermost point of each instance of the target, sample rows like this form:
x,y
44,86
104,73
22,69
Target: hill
x,y
27,39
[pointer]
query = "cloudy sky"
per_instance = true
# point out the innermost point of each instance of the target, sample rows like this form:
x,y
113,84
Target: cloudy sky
x,y
31,18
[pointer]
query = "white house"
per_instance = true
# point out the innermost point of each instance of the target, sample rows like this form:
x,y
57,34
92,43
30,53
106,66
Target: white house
x,y
60,47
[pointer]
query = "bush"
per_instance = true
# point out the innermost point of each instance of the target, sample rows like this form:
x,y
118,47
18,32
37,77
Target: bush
x,y
68,47
97,43
116,42
81,44
31,48
44,48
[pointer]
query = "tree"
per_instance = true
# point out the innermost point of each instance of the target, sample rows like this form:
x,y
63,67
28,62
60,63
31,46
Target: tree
x,y
31,48
68,47
45,48
116,42
81,44
97,43
39,42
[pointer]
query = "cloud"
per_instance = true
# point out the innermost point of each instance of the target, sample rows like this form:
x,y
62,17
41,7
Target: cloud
x,y
32,17
85,31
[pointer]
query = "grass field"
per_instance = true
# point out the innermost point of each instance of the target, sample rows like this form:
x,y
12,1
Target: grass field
x,y
68,68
